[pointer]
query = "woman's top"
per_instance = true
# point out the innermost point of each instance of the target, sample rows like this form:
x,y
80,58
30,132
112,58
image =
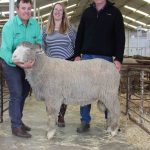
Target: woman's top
x,y
59,45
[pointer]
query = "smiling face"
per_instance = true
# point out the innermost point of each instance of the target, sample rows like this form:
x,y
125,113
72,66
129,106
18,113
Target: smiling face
x,y
24,11
58,12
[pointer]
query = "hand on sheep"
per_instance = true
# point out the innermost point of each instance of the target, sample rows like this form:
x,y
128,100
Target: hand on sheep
x,y
77,58
117,64
27,64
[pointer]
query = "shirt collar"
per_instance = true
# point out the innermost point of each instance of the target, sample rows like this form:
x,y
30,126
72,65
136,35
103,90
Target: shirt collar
x,y
19,21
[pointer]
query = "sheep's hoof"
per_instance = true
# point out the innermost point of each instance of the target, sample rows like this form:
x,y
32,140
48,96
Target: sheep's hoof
x,y
50,134
108,130
113,133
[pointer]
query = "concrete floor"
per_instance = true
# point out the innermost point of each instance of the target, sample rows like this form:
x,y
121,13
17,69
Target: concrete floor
x,y
66,138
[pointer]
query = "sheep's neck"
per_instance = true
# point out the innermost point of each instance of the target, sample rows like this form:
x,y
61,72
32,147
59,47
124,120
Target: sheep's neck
x,y
36,70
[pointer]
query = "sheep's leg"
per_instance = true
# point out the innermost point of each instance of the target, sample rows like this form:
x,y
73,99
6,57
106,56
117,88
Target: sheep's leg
x,y
108,122
51,126
51,119
102,108
115,117
113,106
52,108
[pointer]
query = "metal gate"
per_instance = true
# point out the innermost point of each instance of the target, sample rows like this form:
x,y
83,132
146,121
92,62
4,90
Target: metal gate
x,y
4,95
135,94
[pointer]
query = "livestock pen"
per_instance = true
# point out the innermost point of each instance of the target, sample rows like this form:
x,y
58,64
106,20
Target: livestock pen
x,y
135,93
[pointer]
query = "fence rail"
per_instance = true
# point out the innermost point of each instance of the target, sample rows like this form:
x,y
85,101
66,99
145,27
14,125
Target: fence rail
x,y
4,95
135,94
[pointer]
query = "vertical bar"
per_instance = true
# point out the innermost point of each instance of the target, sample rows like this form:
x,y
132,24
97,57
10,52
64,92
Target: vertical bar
x,y
1,96
128,92
11,8
38,15
34,8
142,96
41,24
128,53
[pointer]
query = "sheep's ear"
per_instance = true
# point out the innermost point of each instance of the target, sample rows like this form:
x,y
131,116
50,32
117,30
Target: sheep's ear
x,y
36,46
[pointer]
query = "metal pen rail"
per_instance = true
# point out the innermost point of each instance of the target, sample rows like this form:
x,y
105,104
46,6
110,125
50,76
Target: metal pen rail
x,y
4,95
135,79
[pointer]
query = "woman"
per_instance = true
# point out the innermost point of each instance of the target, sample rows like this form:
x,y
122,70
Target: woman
x,y
58,41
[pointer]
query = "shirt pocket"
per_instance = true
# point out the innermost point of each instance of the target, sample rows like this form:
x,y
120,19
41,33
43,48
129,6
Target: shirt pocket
x,y
18,37
34,39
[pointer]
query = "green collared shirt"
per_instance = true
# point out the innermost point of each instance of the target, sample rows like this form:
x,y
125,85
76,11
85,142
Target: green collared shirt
x,y
14,32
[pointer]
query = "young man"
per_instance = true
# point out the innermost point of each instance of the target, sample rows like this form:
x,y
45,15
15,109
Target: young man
x,y
18,29
100,35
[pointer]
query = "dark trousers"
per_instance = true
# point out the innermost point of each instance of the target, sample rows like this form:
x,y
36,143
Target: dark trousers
x,y
18,89
85,110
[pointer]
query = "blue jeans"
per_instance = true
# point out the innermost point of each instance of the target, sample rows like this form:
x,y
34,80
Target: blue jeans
x,y
85,110
18,89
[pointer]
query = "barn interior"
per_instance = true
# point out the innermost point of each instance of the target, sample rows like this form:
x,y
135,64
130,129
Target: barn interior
x,y
134,90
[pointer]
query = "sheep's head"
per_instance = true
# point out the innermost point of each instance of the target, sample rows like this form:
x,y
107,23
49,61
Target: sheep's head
x,y
25,51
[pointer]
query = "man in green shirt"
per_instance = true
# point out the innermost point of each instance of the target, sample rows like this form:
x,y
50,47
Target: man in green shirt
x,y
20,28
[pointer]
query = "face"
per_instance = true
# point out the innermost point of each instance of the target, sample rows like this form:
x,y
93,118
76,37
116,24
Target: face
x,y
24,11
58,12
19,53
23,54
99,1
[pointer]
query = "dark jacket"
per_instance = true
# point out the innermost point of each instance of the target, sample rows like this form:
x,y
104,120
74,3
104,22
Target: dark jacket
x,y
101,33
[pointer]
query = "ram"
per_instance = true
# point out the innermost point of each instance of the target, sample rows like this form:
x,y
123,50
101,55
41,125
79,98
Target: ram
x,y
58,81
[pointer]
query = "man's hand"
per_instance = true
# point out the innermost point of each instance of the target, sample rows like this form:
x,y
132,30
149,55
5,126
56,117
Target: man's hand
x,y
27,64
77,58
117,64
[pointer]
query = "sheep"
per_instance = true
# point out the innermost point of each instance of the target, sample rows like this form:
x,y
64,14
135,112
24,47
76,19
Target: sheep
x,y
58,81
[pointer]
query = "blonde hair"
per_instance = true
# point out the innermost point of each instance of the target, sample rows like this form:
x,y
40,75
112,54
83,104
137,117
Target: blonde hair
x,y
64,23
